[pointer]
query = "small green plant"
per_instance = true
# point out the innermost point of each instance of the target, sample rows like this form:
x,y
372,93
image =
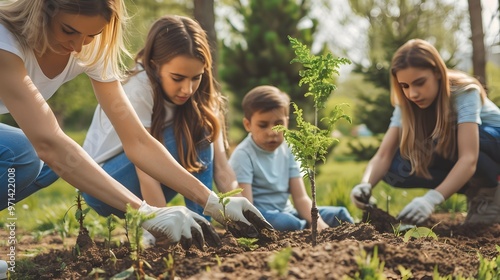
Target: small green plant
x,y
420,232
133,221
110,225
248,243
405,272
169,267
370,266
489,269
397,230
224,199
309,143
279,261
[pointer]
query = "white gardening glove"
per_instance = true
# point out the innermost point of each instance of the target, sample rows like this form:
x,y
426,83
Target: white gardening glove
x,y
179,224
360,195
246,220
420,208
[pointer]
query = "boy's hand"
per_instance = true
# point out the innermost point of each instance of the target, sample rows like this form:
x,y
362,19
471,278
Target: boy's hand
x,y
246,220
179,224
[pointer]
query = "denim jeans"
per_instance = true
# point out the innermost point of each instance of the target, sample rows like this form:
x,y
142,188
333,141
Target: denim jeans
x,y
287,221
123,170
20,162
487,168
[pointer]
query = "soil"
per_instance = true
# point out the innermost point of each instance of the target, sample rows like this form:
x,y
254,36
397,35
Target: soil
x,y
336,254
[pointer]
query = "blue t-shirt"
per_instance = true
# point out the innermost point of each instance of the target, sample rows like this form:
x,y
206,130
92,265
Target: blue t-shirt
x,y
469,108
269,173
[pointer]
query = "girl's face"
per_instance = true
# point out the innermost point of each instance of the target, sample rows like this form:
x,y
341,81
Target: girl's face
x,y
181,77
261,126
420,86
70,32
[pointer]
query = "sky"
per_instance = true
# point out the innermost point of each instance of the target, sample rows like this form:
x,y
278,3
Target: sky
x,y
351,38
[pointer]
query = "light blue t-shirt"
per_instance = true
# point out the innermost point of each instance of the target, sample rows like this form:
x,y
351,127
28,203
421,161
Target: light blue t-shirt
x,y
468,106
269,173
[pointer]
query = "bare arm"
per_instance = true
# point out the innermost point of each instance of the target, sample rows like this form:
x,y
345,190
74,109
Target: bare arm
x,y
141,148
55,148
247,191
224,176
464,168
303,202
379,165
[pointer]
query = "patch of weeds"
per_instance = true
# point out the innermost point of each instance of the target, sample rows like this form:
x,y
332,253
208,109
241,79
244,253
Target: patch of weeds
x,y
370,267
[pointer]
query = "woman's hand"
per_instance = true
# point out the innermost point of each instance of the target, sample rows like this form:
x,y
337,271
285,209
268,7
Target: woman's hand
x,y
245,219
179,224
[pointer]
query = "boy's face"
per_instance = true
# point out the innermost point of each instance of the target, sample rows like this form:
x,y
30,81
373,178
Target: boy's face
x,y
261,124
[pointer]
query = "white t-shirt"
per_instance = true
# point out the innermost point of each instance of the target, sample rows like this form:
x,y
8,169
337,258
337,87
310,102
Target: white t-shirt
x,y
47,87
102,141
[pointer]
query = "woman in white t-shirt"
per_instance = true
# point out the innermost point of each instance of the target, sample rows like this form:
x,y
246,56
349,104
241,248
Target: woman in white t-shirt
x,y
46,43
173,91
444,135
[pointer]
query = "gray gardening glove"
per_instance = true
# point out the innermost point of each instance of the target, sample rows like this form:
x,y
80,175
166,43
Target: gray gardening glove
x,y
179,224
420,208
360,195
246,220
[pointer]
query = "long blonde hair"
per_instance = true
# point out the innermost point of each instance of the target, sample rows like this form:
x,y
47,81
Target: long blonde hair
x,y
28,21
433,129
199,120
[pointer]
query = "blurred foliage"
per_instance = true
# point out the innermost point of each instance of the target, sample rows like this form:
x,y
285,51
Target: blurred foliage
x,y
259,52
391,24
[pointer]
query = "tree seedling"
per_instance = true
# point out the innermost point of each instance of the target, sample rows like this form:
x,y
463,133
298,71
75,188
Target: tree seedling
x,y
133,221
248,243
279,261
419,232
224,199
309,143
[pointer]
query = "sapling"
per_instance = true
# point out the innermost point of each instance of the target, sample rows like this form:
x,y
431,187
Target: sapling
x,y
133,221
224,199
309,143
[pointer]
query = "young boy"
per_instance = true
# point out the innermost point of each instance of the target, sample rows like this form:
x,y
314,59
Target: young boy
x,y
267,170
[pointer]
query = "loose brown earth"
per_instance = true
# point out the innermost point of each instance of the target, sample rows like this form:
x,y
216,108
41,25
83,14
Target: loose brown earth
x,y
335,255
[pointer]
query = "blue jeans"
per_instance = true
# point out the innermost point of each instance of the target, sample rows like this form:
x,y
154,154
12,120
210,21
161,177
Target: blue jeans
x,y
287,221
123,170
487,169
20,162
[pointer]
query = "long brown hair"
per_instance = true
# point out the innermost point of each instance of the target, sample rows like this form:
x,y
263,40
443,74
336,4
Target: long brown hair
x,y
433,129
199,120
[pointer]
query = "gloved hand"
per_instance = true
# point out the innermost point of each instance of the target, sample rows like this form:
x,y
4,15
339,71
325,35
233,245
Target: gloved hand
x,y
360,195
420,208
246,220
179,224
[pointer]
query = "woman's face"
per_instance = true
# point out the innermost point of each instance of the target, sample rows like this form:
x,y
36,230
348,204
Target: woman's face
x,y
420,86
70,32
181,77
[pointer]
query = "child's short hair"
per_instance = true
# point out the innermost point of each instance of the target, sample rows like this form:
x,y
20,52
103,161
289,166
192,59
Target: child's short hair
x,y
264,99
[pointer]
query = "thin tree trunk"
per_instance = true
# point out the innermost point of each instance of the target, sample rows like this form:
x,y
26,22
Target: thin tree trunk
x,y
478,49
205,15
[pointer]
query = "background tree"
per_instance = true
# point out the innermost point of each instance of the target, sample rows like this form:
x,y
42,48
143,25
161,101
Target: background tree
x,y
391,24
477,38
259,52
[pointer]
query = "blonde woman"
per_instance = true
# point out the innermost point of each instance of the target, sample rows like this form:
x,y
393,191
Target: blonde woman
x,y
444,135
